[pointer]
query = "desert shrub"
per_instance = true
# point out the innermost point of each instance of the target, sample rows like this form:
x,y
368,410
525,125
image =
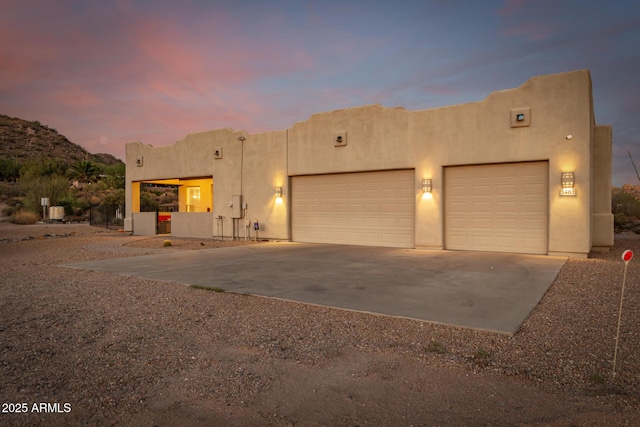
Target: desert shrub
x,y
147,202
42,167
114,197
67,205
71,203
24,218
115,175
55,187
9,170
168,198
15,202
9,189
8,211
625,204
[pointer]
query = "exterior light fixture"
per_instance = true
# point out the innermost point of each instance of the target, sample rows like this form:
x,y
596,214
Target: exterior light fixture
x,y
426,186
568,184
278,192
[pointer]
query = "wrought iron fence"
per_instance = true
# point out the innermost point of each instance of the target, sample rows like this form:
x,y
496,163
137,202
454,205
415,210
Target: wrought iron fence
x,y
107,216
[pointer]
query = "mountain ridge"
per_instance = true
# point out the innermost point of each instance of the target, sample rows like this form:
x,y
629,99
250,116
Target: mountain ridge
x,y
23,140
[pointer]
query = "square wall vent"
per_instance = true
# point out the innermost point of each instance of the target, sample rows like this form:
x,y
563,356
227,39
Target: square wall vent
x,y
339,139
520,117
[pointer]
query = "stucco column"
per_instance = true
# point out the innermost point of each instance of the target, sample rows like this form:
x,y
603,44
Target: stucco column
x,y
132,197
602,232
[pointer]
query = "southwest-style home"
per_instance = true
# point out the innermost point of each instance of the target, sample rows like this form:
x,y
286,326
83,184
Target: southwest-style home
x,y
526,170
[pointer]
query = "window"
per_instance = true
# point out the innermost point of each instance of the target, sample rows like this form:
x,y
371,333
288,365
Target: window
x,y
193,199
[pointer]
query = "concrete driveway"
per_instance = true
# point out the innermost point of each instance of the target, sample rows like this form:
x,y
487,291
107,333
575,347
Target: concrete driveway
x,y
479,290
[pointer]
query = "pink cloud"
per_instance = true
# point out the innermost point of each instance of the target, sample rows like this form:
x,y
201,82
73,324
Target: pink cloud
x,y
511,7
532,30
531,20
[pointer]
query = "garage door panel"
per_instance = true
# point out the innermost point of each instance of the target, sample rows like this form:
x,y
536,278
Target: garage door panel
x,y
532,224
481,223
370,208
534,187
505,189
497,207
480,207
508,225
505,208
533,207
480,190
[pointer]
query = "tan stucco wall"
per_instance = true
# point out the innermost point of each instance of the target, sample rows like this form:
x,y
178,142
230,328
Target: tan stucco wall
x,y
145,223
198,224
426,141
602,168
190,157
476,133
265,168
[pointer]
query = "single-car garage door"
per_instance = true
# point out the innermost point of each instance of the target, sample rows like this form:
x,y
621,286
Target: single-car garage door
x,y
365,208
498,207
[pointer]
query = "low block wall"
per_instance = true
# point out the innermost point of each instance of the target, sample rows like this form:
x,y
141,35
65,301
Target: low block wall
x,y
192,224
144,223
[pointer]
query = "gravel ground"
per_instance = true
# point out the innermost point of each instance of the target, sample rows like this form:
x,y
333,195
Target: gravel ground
x,y
130,351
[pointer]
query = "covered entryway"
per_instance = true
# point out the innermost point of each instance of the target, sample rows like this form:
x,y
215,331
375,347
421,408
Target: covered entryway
x,y
497,207
364,208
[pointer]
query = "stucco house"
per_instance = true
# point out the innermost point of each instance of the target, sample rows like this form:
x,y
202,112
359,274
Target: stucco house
x,y
526,170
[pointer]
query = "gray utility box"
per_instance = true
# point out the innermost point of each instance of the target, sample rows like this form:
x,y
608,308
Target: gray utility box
x,y
236,208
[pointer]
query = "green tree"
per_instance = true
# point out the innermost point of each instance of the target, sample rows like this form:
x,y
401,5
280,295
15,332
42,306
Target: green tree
x,y
43,167
115,175
114,198
625,204
147,202
9,170
84,172
55,187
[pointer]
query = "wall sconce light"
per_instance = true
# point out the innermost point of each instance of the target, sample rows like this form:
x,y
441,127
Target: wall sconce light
x,y
426,186
568,184
278,192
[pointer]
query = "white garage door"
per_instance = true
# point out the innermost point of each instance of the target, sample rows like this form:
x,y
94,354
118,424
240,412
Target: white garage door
x,y
367,208
501,208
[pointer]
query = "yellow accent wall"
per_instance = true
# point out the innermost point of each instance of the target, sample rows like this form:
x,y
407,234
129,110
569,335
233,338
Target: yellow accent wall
x,y
206,194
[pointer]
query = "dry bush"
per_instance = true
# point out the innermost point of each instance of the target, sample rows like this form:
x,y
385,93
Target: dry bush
x,y
8,211
24,218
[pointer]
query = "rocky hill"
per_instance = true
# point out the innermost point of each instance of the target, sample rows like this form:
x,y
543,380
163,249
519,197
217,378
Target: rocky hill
x,y
21,140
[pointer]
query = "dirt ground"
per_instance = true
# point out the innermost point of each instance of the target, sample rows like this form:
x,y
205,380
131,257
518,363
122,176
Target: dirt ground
x,y
138,352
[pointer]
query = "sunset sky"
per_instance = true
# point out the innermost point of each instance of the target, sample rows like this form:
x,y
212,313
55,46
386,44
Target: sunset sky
x,y
108,72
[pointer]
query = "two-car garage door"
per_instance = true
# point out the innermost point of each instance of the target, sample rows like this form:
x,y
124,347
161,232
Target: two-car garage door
x,y
501,207
497,207
364,208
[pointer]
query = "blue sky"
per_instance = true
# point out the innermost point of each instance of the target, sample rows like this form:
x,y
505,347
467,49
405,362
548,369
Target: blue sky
x,y
109,72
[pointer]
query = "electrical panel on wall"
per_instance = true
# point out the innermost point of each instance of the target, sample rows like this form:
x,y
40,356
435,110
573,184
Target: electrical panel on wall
x,y
340,139
520,117
217,152
236,206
